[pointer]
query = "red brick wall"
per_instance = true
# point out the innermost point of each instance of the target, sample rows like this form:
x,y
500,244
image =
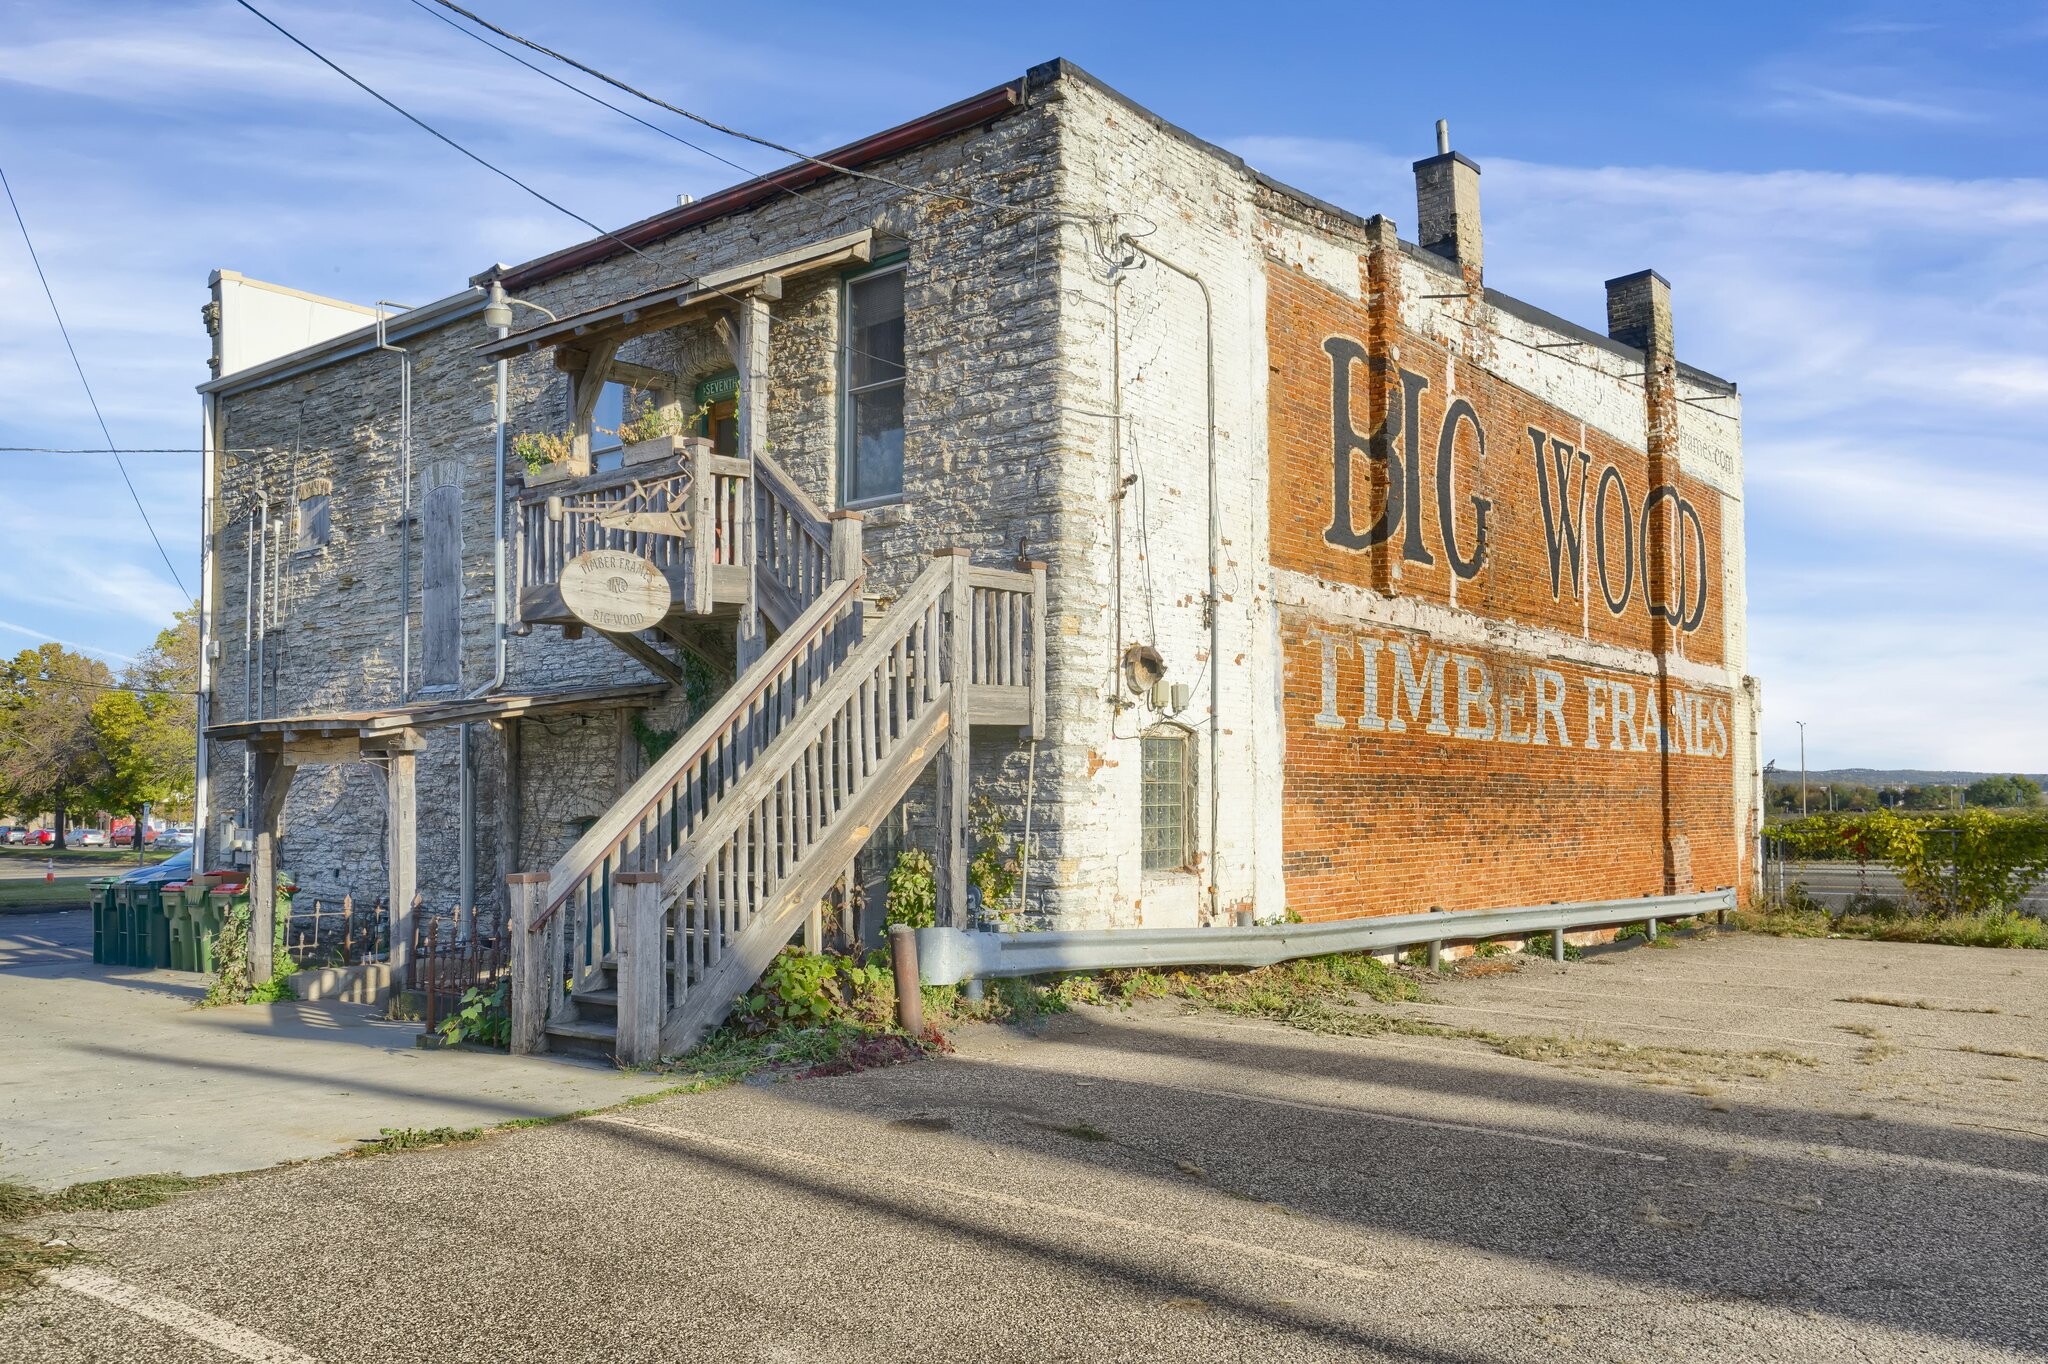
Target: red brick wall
x,y
1426,770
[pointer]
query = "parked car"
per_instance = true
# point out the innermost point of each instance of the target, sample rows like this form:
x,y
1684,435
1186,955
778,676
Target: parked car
x,y
172,870
174,838
41,838
92,838
13,835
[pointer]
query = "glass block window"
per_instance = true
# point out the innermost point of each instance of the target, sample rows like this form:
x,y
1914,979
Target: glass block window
x,y
1167,776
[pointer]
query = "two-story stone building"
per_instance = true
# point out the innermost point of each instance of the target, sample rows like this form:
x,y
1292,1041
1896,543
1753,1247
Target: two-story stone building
x,y
1294,567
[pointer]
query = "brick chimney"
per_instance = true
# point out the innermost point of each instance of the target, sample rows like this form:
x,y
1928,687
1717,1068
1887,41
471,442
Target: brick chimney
x,y
1639,311
1447,204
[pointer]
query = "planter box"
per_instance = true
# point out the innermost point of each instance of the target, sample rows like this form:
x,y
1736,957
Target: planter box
x,y
676,450
557,472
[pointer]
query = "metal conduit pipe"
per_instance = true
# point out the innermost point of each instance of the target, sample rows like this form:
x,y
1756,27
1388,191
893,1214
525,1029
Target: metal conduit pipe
x,y
498,316
1215,556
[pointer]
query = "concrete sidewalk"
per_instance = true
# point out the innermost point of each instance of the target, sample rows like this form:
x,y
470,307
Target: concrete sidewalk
x,y
1170,1184
112,1071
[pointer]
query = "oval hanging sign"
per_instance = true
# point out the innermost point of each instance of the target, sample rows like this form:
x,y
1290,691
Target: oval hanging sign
x,y
615,591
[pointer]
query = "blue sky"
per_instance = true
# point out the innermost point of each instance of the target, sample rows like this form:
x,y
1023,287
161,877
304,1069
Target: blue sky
x,y
1851,203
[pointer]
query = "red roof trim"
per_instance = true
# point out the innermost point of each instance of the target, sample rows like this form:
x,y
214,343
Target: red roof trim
x,y
951,119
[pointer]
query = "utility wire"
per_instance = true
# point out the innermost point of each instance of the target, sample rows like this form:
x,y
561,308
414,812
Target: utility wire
x,y
732,132
496,170
434,132
593,98
109,450
65,332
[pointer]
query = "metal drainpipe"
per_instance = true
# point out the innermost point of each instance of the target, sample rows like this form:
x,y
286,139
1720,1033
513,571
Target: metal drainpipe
x,y
498,617
201,786
1215,556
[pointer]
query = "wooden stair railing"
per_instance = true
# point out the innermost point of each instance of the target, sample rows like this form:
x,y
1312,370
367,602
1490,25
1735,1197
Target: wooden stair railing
x,y
754,866
707,867
647,825
792,545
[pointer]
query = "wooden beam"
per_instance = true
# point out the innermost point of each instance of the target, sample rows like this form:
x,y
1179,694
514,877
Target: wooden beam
x,y
401,861
589,386
753,437
273,781
954,767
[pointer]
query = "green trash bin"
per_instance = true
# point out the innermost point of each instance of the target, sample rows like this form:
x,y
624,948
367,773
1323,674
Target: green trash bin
x,y
179,924
102,919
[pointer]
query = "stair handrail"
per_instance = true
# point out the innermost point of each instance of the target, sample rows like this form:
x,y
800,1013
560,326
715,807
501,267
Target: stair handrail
x,y
609,834
897,623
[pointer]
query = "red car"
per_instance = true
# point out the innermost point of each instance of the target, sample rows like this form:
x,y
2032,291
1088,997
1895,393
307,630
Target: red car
x,y
41,838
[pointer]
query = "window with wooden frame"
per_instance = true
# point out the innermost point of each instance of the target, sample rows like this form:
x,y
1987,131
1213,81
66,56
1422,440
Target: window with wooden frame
x,y
1167,798
871,420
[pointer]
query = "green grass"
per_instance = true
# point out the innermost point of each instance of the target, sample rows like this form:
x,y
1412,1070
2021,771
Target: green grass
x,y
1961,930
66,892
103,859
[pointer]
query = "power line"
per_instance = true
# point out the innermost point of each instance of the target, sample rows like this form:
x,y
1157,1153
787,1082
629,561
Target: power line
x,y
65,332
716,126
109,450
436,133
687,277
51,681
595,99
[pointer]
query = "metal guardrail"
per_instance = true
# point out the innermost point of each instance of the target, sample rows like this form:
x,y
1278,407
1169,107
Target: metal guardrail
x,y
947,956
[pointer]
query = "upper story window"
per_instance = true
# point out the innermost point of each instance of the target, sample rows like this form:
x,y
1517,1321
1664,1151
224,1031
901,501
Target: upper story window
x,y
872,461
1166,806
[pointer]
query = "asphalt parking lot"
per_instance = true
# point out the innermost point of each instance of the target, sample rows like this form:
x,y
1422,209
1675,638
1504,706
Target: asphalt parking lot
x,y
1736,1148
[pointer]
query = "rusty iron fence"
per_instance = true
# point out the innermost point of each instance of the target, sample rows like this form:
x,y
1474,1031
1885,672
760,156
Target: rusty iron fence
x,y
465,948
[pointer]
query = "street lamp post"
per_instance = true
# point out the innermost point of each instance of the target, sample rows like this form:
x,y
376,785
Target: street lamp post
x,y
1802,767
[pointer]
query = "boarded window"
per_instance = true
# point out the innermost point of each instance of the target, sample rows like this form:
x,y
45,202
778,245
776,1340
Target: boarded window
x,y
1166,775
441,588
313,526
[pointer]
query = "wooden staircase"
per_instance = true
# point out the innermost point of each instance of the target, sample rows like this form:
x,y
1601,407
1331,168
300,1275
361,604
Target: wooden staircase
x,y
642,937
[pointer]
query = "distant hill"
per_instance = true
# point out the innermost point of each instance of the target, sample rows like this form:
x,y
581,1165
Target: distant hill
x,y
1884,776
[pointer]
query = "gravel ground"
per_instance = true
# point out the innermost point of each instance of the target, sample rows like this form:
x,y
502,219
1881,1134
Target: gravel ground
x,y
1710,1151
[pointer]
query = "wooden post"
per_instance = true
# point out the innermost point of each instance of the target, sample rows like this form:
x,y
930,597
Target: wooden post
x,y
638,942
402,859
703,529
1036,568
752,411
846,534
273,779
509,858
525,896
953,765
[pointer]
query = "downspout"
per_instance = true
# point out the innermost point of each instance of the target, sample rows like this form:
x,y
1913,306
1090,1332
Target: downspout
x,y
201,786
500,643
1215,558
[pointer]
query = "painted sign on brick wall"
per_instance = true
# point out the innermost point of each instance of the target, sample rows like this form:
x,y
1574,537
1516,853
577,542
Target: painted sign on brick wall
x,y
1424,475
1485,724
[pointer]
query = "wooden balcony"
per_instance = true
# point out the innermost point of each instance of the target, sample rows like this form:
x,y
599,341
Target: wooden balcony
x,y
686,514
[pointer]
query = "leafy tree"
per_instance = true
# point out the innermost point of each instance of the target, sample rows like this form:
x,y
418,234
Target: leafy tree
x,y
50,753
1999,792
149,735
